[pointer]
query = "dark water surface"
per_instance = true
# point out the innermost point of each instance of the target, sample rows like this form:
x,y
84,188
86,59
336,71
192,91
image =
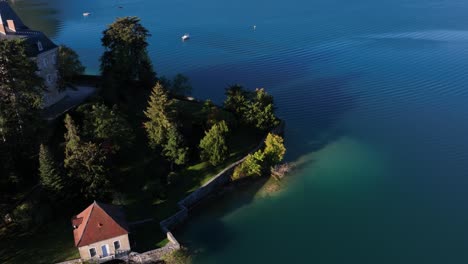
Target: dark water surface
x,y
375,97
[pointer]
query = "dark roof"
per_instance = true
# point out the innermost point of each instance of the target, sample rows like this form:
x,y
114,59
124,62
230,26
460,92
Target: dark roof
x,y
98,222
32,37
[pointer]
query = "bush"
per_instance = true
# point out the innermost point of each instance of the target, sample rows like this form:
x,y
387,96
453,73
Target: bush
x,y
252,166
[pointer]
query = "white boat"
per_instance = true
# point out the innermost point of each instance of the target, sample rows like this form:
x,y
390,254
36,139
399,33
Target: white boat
x,y
185,37
86,14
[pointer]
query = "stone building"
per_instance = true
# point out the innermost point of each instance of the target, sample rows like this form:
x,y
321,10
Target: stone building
x,y
39,48
101,233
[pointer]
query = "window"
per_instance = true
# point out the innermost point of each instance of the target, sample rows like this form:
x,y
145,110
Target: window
x,y
49,78
117,245
39,46
54,59
44,62
92,252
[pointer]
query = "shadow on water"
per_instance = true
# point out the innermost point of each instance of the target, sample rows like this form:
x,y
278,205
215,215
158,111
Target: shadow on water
x,y
313,111
312,106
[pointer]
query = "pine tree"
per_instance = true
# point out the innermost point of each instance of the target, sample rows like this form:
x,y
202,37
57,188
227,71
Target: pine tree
x,y
49,173
237,99
213,146
72,139
158,113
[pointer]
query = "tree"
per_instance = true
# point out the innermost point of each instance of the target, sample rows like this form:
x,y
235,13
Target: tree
x,y
213,146
49,173
252,166
108,125
237,100
20,103
72,139
174,148
69,67
158,113
125,58
261,112
274,149
85,162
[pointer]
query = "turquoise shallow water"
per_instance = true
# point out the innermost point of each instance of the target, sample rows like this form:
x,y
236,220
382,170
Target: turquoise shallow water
x,y
375,98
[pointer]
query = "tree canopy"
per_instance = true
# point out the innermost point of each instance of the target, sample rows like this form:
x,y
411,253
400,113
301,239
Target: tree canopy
x,y
125,58
158,113
104,124
252,108
69,67
20,102
49,173
213,146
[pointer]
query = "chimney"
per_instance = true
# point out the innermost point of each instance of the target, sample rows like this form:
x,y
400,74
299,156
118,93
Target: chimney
x,y
11,25
2,28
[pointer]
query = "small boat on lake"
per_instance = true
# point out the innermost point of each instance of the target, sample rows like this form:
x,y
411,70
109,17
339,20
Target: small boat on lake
x,y
85,14
185,37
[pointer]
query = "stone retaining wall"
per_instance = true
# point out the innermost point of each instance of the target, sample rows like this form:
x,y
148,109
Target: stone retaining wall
x,y
204,191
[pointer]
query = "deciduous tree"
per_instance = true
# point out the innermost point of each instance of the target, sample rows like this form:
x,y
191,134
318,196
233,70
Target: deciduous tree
x,y
104,124
274,149
174,148
125,58
69,67
20,102
213,146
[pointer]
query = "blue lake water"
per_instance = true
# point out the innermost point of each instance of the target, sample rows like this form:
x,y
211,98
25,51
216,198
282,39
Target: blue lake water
x,y
375,98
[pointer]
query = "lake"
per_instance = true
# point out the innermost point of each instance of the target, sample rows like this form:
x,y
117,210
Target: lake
x,y
375,98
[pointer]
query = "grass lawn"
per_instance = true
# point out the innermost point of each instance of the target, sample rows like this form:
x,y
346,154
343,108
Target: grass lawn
x,y
138,192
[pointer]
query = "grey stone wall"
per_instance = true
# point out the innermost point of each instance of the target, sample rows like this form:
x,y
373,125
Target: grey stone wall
x,y
204,191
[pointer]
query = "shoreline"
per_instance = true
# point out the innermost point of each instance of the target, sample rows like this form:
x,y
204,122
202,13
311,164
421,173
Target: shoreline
x,y
217,185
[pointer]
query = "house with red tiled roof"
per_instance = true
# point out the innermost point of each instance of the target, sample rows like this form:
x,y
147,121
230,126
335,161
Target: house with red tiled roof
x,y
101,232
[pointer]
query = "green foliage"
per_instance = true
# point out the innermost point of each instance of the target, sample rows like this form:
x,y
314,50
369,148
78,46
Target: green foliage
x,y
72,139
258,163
180,256
254,109
85,162
274,149
260,112
158,113
174,149
69,67
125,58
237,100
252,166
49,172
20,102
22,215
213,146
106,125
